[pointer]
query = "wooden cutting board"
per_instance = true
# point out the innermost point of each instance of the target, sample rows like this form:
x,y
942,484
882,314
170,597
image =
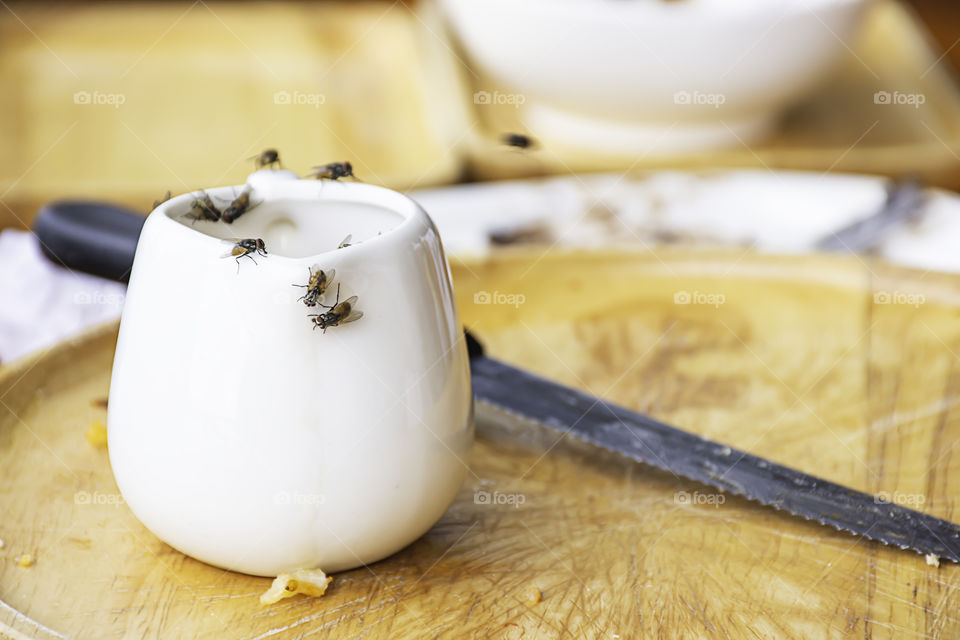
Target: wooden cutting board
x,y
843,368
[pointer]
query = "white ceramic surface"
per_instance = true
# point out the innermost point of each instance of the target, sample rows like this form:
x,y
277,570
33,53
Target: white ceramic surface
x,y
247,439
650,75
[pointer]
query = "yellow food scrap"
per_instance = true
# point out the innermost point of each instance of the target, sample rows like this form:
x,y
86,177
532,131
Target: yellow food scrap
x,y
309,582
97,434
933,560
26,560
533,595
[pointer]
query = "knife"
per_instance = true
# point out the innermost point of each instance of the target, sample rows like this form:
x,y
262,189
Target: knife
x,y
100,238
903,204
526,396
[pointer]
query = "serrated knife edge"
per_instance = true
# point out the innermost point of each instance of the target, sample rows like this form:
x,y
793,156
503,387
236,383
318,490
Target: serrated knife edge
x,y
691,456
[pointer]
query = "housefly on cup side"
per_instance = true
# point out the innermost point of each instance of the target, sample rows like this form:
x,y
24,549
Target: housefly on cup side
x,y
340,313
317,283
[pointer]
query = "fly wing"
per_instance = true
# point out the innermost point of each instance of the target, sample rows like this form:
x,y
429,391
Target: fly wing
x,y
354,315
235,248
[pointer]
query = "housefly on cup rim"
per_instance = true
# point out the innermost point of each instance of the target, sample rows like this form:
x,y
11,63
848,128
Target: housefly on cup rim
x,y
245,247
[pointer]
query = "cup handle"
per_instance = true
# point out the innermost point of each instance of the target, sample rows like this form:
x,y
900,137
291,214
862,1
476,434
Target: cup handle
x,y
93,237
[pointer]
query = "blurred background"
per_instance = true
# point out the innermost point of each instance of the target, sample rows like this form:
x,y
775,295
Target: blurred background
x,y
756,123
127,100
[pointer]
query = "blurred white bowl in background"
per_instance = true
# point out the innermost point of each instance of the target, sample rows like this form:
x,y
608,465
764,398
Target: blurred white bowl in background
x,y
652,75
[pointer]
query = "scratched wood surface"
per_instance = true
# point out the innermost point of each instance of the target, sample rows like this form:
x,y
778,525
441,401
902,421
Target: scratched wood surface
x,y
842,368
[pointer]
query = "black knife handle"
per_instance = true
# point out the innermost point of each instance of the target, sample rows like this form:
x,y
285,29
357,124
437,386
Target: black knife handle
x,y
474,348
93,237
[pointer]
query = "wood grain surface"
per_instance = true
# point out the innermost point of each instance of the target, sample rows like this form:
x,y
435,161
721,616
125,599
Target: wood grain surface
x,y
842,368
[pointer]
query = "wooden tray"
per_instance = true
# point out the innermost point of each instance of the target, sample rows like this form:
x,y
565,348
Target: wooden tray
x,y
838,129
204,88
828,364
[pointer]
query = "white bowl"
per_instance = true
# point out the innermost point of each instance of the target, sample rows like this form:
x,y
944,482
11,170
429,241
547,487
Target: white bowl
x,y
649,75
247,439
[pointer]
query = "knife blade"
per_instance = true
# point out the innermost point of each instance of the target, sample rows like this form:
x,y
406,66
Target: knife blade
x,y
604,424
904,203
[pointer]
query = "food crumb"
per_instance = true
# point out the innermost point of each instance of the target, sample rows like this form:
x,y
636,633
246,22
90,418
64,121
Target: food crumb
x,y
309,582
101,403
933,560
533,595
96,434
26,560
2,543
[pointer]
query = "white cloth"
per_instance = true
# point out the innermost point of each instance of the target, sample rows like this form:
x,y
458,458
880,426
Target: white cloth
x,y
41,303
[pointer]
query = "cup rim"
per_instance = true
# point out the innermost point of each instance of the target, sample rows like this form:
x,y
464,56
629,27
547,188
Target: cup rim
x,y
278,186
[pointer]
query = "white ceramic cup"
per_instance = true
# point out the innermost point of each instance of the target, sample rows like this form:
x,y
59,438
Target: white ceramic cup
x,y
244,437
